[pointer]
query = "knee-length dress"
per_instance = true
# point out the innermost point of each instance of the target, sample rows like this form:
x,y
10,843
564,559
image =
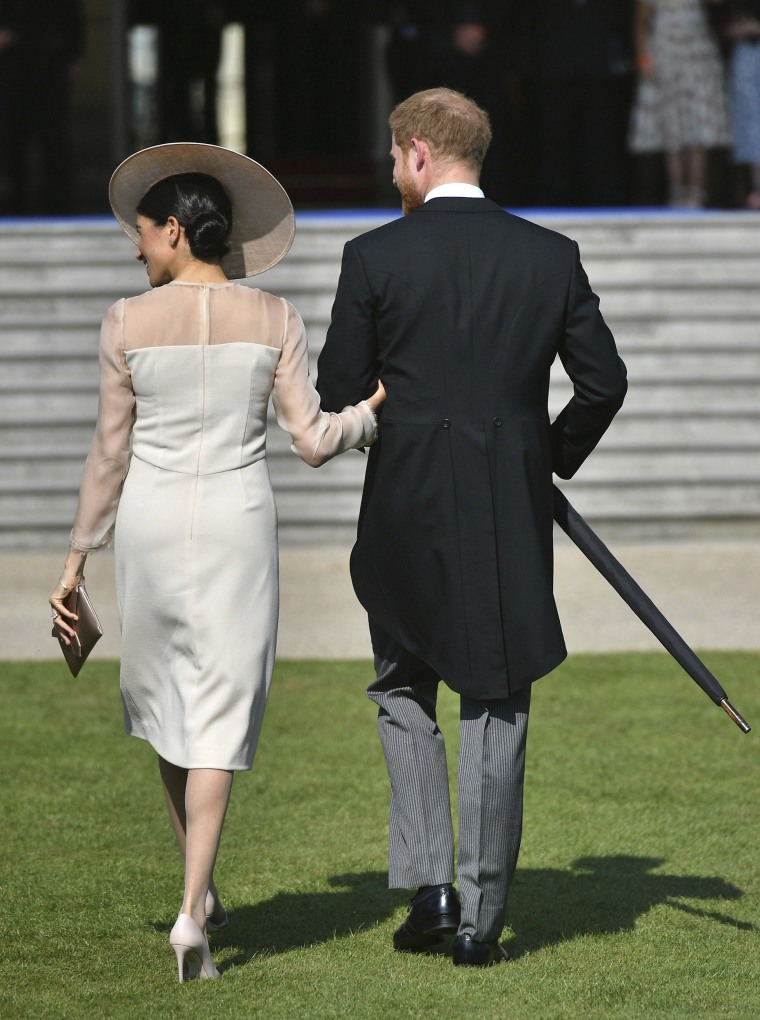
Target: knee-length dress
x,y
684,104
186,375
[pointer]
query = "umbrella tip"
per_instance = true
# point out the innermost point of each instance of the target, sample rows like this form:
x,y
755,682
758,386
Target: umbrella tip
x,y
736,716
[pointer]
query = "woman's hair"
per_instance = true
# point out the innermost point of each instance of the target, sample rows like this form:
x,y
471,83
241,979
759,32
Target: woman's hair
x,y
202,207
455,128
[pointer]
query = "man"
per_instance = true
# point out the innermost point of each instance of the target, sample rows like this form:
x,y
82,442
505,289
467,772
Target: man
x,y
460,309
578,65
41,45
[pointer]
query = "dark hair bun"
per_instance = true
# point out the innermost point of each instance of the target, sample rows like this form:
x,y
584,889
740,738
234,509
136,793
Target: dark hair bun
x,y
207,234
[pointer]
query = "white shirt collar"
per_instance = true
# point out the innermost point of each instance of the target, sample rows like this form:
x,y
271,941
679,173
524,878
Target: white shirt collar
x,y
455,190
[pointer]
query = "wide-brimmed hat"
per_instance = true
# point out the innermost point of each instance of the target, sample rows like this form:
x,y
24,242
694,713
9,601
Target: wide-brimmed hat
x,y
263,223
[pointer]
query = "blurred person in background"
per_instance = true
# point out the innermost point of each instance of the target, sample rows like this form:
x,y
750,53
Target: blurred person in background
x,y
742,29
462,46
576,58
190,46
41,45
681,107
316,77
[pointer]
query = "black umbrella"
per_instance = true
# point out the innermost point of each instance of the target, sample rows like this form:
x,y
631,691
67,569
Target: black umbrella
x,y
613,571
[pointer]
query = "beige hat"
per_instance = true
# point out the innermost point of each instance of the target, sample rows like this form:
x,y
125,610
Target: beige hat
x,y
263,223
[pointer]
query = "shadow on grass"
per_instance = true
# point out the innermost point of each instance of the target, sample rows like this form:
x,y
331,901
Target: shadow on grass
x,y
603,895
548,906
293,920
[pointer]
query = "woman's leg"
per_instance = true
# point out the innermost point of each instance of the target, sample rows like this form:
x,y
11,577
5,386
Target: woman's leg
x,y
753,199
207,794
696,171
674,162
175,783
174,780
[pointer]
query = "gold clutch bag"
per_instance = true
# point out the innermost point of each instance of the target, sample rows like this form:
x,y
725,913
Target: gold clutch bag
x,y
87,629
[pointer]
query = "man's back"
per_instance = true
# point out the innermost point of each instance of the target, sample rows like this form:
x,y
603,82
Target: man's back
x,y
468,311
461,309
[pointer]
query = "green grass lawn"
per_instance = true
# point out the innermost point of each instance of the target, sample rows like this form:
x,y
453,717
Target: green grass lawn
x,y
637,892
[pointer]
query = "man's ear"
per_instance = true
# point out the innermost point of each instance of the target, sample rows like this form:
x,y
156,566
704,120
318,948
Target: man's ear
x,y
421,153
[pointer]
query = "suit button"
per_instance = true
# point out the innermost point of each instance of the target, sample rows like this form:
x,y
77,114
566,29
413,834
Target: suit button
x,y
497,422
446,423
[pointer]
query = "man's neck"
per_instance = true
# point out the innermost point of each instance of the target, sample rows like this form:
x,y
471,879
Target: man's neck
x,y
454,175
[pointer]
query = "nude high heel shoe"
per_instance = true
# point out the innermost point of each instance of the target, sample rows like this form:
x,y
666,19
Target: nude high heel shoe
x,y
221,922
193,954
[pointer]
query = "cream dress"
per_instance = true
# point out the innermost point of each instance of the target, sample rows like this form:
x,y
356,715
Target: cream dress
x,y
186,374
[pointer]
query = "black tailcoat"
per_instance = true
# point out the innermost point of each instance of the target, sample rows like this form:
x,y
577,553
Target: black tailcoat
x,y
461,309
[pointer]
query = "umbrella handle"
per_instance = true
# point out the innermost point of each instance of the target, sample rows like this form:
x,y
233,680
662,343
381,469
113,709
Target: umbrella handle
x,y
736,716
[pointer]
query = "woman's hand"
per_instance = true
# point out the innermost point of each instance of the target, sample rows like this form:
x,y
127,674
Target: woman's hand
x,y
61,615
72,576
377,399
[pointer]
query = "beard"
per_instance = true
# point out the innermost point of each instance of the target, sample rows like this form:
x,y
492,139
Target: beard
x,y
411,198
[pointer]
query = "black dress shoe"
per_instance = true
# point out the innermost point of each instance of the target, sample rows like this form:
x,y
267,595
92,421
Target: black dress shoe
x,y
433,913
466,952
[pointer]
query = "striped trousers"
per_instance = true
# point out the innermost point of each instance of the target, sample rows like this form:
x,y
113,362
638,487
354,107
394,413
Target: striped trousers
x,y
492,737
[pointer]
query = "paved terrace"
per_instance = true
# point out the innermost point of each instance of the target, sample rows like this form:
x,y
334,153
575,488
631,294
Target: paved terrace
x,y
709,591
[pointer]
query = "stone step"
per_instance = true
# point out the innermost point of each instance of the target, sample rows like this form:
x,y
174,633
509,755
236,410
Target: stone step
x,y
295,278
665,335
69,440
28,342
298,503
660,520
711,430
622,307
724,306
712,233
648,366
29,339
79,367
688,397
320,235
694,272
684,430
61,467
18,438
634,229
62,309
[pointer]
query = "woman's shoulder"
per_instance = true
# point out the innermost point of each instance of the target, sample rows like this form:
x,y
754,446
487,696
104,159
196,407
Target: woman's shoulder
x,y
146,299
255,295
261,302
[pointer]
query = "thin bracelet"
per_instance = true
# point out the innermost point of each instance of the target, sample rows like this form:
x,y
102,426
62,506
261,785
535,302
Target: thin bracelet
x,y
64,586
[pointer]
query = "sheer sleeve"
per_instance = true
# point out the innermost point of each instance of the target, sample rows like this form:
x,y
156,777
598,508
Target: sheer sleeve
x,y
107,460
317,435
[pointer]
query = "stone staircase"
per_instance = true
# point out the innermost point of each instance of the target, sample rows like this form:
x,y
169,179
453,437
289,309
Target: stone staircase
x,y
681,293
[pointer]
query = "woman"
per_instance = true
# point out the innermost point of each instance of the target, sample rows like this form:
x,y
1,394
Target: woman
x,y
186,374
680,107
743,31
